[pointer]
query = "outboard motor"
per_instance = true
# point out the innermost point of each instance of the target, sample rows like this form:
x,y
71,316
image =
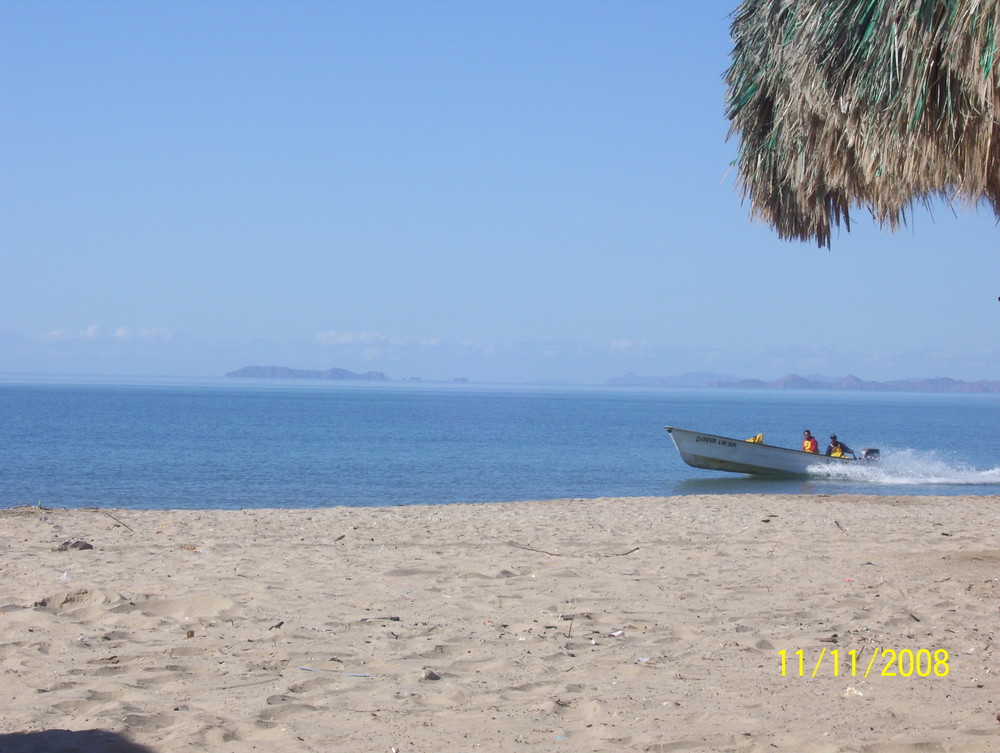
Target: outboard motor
x,y
869,454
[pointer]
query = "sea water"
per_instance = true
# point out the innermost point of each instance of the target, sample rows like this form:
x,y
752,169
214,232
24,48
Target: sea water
x,y
231,444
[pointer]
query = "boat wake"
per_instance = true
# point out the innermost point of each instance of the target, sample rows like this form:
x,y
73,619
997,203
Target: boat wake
x,y
910,467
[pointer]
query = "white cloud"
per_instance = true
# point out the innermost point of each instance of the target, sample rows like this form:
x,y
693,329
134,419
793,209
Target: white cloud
x,y
56,335
630,346
65,335
356,338
149,334
95,333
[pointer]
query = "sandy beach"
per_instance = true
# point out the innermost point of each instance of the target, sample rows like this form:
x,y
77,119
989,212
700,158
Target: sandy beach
x,y
578,625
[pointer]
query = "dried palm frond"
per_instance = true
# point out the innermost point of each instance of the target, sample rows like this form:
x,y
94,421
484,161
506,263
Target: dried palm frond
x,y
864,103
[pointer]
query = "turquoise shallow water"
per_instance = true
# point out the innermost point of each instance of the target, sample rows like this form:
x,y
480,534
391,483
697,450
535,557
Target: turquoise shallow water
x,y
243,444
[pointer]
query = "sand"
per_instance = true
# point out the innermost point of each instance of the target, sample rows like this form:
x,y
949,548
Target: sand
x,y
573,625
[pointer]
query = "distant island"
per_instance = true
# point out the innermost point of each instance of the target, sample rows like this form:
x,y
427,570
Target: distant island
x,y
283,372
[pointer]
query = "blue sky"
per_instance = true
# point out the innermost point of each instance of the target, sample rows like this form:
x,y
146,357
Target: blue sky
x,y
503,191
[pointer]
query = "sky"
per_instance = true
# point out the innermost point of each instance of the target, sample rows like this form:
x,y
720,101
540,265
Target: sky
x,y
500,191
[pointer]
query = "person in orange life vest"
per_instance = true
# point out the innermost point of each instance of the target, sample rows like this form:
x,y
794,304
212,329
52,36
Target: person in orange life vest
x,y
809,443
838,449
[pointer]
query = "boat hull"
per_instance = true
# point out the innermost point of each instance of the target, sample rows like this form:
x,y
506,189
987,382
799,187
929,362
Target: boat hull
x,y
716,453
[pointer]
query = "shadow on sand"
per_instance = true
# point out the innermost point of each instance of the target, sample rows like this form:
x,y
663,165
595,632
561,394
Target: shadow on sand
x,y
68,741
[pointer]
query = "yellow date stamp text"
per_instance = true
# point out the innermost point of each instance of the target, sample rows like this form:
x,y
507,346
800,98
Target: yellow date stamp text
x,y
880,662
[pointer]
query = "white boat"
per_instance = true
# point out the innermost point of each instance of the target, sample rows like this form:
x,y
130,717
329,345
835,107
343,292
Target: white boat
x,y
717,453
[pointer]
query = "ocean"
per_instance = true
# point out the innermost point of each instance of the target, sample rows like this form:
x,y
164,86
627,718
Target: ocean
x,y
234,443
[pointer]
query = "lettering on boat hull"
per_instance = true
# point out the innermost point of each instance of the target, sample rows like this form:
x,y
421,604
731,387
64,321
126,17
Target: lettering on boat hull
x,y
715,440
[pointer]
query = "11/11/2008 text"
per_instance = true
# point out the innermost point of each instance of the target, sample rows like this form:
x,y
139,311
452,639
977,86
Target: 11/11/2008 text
x,y
886,662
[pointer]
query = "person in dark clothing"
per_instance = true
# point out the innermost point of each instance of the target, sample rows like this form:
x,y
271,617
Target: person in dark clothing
x,y
838,449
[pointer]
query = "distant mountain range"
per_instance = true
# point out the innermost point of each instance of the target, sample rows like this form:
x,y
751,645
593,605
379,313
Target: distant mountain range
x,y
796,382
283,372
692,379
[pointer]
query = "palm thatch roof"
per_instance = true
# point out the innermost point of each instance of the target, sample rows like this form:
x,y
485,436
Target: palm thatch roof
x,y
842,104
